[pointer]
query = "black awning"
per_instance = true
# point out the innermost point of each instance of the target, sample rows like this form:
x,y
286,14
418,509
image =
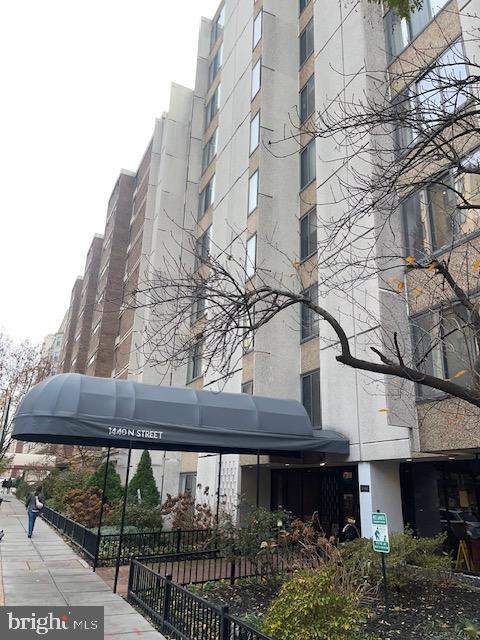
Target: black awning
x,y
101,412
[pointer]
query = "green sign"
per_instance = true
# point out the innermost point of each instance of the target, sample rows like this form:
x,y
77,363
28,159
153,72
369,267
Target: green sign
x,y
381,541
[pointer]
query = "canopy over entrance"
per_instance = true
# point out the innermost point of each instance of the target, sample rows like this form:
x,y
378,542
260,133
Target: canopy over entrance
x,y
103,412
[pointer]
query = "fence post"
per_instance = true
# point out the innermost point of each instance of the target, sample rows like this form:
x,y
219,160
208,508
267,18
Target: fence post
x,y
83,537
224,623
179,540
130,578
167,598
232,571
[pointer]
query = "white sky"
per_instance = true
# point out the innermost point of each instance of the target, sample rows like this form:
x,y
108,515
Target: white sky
x,y
81,82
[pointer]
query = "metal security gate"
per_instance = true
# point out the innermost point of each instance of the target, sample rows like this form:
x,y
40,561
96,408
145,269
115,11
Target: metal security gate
x,y
330,494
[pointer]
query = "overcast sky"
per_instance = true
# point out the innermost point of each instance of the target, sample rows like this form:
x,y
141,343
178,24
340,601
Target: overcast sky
x,y
81,83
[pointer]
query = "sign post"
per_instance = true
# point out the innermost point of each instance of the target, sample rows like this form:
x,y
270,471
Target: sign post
x,y
381,544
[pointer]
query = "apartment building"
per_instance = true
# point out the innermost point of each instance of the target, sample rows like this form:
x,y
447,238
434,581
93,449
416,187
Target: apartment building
x,y
86,302
236,158
109,290
69,325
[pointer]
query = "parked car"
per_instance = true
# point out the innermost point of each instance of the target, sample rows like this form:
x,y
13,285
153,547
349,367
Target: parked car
x,y
461,517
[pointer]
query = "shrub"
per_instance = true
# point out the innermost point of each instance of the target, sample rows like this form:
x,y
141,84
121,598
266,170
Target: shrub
x,y
186,513
58,484
24,488
309,607
144,480
83,506
138,517
114,489
407,551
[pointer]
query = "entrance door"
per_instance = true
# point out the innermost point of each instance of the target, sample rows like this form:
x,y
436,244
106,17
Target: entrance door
x,y
328,494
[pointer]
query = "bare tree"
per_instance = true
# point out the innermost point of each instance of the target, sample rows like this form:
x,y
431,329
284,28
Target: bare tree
x,y
413,162
21,366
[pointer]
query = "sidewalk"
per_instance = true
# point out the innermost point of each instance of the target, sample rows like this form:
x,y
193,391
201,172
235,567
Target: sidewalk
x,y
46,571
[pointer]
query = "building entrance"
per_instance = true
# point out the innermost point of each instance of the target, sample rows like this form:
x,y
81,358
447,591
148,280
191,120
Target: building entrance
x,y
330,493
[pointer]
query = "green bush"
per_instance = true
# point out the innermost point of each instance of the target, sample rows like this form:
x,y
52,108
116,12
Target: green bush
x,y
144,480
407,551
24,488
309,607
114,489
59,483
140,516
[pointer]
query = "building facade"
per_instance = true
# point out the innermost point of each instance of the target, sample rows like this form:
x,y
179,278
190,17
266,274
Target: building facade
x,y
237,157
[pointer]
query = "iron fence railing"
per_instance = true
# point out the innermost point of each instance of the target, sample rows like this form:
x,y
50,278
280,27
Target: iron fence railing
x,y
181,614
153,543
82,537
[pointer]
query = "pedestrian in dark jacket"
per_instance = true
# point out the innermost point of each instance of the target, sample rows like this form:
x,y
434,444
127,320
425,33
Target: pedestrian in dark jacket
x,y
34,504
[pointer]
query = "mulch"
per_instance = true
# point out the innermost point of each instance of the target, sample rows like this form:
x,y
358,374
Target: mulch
x,y
422,611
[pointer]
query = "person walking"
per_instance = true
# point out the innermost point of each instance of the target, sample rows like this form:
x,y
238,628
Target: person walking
x,y
34,504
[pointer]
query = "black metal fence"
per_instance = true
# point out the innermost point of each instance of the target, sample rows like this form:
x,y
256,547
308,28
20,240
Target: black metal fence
x,y
181,614
154,543
82,537
211,565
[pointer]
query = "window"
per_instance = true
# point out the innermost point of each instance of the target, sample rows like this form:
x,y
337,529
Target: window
x,y
248,336
199,304
247,387
308,234
188,482
254,132
253,192
311,397
307,164
96,328
308,317
432,217
251,257
217,27
307,99
207,197
210,150
400,32
256,78
257,29
194,368
215,65
212,106
91,360
202,247
444,346
306,43
303,4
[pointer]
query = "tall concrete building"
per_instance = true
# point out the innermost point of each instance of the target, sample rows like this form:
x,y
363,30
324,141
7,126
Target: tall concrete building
x,y
69,325
264,69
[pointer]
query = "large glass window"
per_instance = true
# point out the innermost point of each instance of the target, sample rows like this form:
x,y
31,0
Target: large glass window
x,y
307,164
303,4
213,106
308,234
215,65
401,31
247,387
210,150
254,132
202,247
217,27
257,28
199,302
440,214
256,78
251,257
311,397
207,197
306,42
253,192
444,346
307,99
194,367
308,317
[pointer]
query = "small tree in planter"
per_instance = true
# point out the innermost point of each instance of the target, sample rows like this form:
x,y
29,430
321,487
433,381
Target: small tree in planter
x,y
114,490
144,480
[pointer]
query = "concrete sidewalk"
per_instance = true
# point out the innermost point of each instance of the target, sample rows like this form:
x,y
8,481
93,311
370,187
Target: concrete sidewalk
x,y
44,570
